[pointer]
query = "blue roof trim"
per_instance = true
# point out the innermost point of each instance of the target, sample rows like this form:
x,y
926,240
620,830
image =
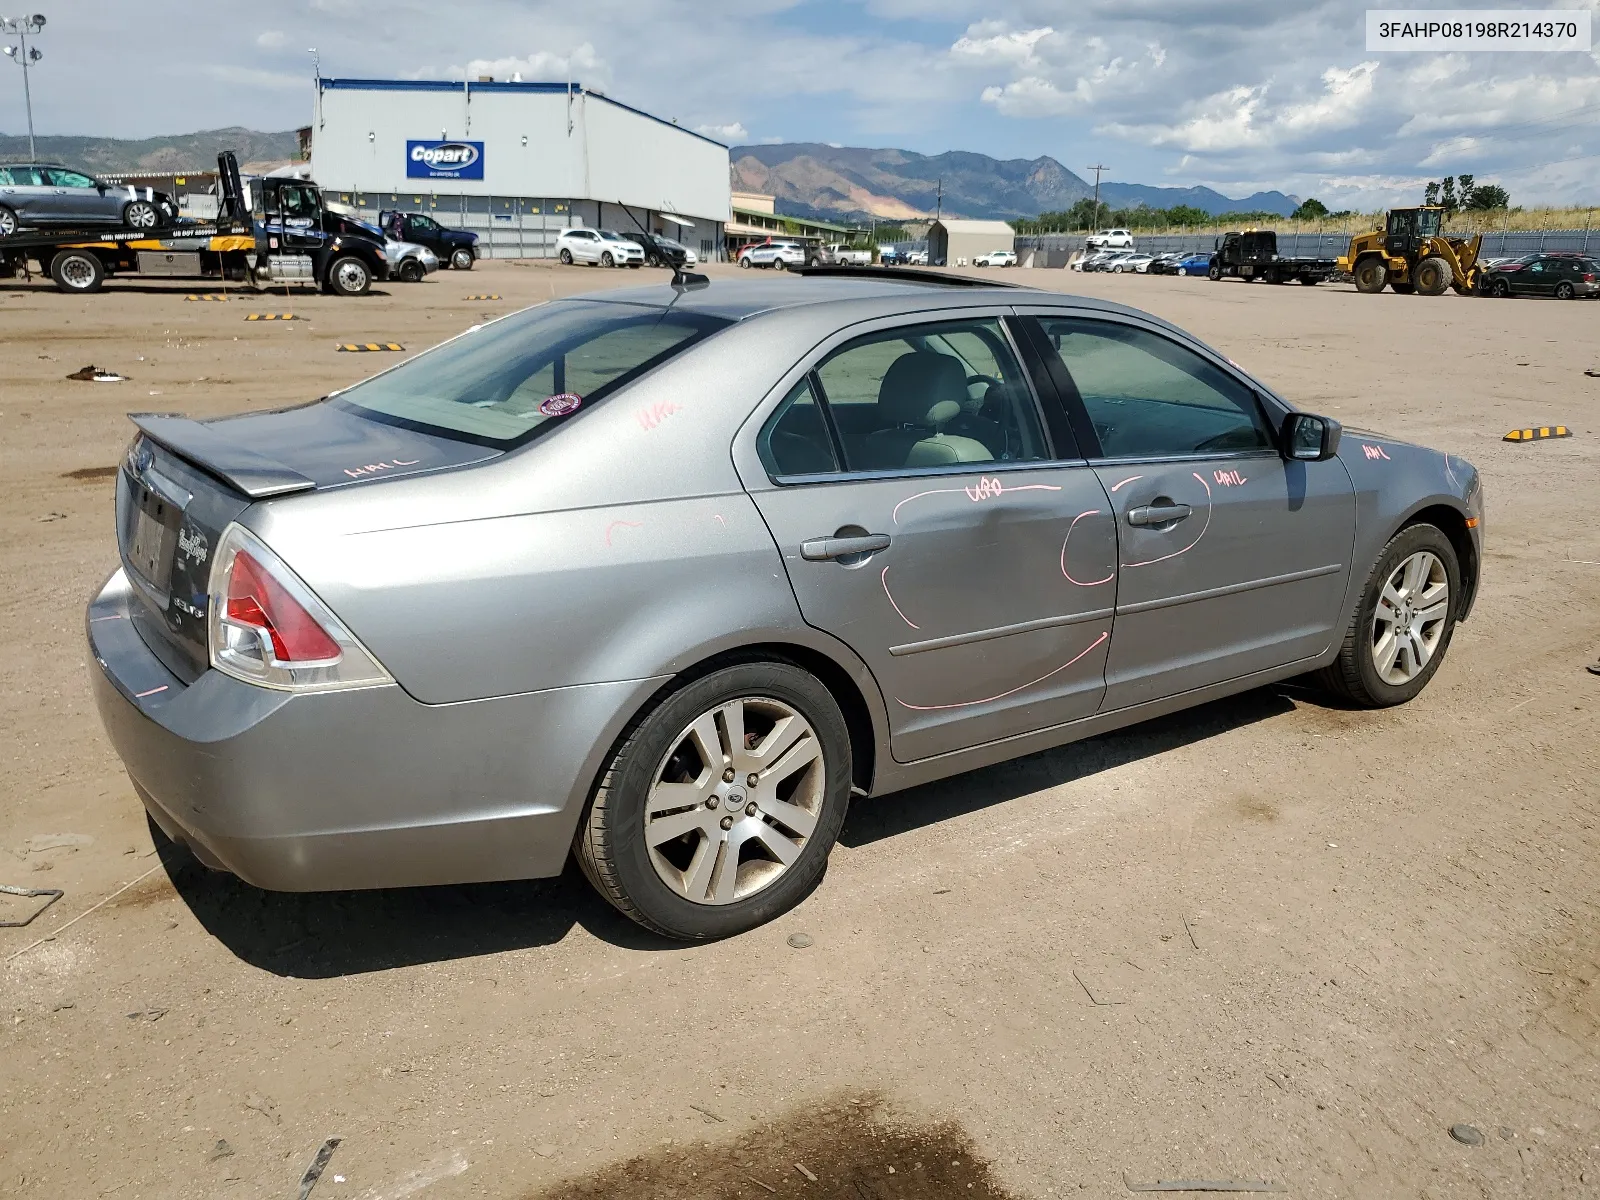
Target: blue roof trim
x,y
449,85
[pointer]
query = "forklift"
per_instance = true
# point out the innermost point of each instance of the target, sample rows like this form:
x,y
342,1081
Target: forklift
x,y
1412,256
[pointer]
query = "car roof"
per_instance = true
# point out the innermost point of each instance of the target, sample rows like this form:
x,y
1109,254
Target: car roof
x,y
739,299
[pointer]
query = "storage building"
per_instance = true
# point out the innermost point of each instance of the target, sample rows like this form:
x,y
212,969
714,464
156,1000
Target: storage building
x,y
954,243
516,162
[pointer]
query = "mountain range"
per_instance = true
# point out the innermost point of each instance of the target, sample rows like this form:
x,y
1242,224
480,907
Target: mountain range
x,y
808,178
175,152
815,180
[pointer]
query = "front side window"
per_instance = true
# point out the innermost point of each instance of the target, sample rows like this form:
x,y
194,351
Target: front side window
x,y
928,396
70,179
1149,397
501,384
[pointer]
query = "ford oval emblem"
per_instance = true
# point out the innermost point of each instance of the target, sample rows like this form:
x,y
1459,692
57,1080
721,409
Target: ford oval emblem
x,y
448,155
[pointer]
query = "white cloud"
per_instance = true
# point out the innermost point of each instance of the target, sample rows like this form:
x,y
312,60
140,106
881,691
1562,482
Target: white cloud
x,y
582,65
271,39
730,133
991,42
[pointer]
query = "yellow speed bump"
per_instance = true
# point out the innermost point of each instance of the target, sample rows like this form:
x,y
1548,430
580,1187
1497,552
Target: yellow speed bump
x,y
218,299
1538,433
271,317
364,347
492,296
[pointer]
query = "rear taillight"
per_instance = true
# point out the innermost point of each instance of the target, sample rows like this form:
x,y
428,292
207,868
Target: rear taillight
x,y
268,628
1589,278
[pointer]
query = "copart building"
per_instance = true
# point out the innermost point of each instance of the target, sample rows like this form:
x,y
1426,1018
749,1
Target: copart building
x,y
516,162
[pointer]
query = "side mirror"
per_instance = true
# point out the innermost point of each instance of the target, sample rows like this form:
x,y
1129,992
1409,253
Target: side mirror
x,y
1310,438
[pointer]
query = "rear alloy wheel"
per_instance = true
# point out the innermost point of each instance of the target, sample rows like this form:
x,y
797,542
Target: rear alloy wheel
x,y
566,257
718,812
1500,289
779,265
141,214
77,271
606,260
1401,629
349,277
1433,276
1371,275
8,222
461,259
1565,291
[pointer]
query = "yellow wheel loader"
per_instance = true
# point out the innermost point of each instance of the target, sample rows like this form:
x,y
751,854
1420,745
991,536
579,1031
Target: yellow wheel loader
x,y
1410,255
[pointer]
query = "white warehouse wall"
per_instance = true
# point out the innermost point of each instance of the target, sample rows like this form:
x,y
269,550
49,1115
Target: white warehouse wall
x,y
613,153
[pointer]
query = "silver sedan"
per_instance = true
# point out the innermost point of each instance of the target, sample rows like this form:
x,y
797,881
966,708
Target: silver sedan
x,y
667,578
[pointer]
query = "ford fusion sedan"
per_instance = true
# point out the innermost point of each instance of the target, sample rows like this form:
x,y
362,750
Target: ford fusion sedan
x,y
43,194
668,578
598,248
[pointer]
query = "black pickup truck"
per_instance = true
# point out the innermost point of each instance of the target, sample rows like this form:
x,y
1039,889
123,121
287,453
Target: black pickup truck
x,y
456,248
1254,255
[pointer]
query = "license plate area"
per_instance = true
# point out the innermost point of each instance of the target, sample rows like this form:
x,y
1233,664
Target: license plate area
x,y
153,530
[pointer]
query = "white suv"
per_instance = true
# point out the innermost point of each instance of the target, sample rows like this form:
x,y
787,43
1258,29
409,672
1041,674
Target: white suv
x,y
598,247
1110,239
996,258
778,255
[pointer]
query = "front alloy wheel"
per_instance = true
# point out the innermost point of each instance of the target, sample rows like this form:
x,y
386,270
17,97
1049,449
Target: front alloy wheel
x,y
1409,618
718,812
141,214
461,259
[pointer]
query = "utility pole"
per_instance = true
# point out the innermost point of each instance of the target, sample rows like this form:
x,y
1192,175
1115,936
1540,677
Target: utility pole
x,y
24,56
1094,225
938,203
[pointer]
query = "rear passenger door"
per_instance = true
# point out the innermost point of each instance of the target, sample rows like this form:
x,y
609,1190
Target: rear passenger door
x,y
931,519
24,191
1232,559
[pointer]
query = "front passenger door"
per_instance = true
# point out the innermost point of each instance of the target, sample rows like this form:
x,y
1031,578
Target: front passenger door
x,y
1231,559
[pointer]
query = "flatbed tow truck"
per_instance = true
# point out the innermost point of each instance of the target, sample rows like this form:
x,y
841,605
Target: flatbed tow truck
x,y
1253,254
275,231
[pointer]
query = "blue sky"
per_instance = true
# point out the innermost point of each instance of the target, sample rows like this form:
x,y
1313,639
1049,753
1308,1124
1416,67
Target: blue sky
x,y
1239,95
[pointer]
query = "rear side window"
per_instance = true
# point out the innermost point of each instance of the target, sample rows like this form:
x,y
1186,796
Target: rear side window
x,y
502,384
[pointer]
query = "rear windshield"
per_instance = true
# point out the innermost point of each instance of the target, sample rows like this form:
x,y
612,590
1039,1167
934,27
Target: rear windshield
x,y
504,383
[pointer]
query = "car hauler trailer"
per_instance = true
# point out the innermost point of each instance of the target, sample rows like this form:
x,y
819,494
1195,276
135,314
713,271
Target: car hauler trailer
x,y
273,231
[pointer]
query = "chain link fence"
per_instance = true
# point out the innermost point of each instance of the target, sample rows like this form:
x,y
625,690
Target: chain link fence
x,y
1054,249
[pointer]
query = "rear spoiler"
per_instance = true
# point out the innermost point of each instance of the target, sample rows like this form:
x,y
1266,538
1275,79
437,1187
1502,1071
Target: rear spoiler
x,y
243,470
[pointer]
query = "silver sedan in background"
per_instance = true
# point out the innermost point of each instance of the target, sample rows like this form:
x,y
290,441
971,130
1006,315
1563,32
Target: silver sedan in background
x,y
667,578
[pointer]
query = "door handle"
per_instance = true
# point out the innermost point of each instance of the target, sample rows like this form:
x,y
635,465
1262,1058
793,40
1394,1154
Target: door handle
x,y
1158,514
823,549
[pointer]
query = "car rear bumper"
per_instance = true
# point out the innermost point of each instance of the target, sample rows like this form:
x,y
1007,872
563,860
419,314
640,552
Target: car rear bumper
x,y
355,789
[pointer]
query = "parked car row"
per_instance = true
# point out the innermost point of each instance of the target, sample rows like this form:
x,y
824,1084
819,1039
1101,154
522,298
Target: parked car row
x,y
1567,275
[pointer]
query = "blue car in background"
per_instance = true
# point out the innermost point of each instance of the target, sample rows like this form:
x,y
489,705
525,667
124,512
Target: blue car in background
x,y
1192,264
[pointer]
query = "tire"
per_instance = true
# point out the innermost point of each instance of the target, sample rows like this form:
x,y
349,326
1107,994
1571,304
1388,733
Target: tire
x,y
744,261
1565,291
653,885
1500,289
1404,289
1214,274
606,260
1308,281
815,262
779,265
461,259
349,276
411,271
565,256
77,271
1432,276
141,214
1270,276
1355,673
1371,275
8,222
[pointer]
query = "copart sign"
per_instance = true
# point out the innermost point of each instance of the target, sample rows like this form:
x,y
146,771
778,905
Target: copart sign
x,y
444,160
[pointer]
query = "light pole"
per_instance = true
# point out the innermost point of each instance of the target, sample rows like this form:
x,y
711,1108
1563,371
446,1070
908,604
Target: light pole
x,y
1094,223
25,56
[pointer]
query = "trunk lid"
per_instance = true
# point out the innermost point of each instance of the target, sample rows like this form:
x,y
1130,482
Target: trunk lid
x,y
183,481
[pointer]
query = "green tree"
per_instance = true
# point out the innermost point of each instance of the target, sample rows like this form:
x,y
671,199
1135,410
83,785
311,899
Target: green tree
x,y
1488,198
1311,209
1448,200
1430,194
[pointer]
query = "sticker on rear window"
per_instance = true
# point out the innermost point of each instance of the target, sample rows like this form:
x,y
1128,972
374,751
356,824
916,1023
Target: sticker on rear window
x,y
560,404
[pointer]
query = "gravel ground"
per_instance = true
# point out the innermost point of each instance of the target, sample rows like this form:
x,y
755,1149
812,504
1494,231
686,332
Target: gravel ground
x,y
1268,939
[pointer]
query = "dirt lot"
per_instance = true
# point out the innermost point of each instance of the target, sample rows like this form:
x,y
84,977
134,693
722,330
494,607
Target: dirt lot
x,y
1268,939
